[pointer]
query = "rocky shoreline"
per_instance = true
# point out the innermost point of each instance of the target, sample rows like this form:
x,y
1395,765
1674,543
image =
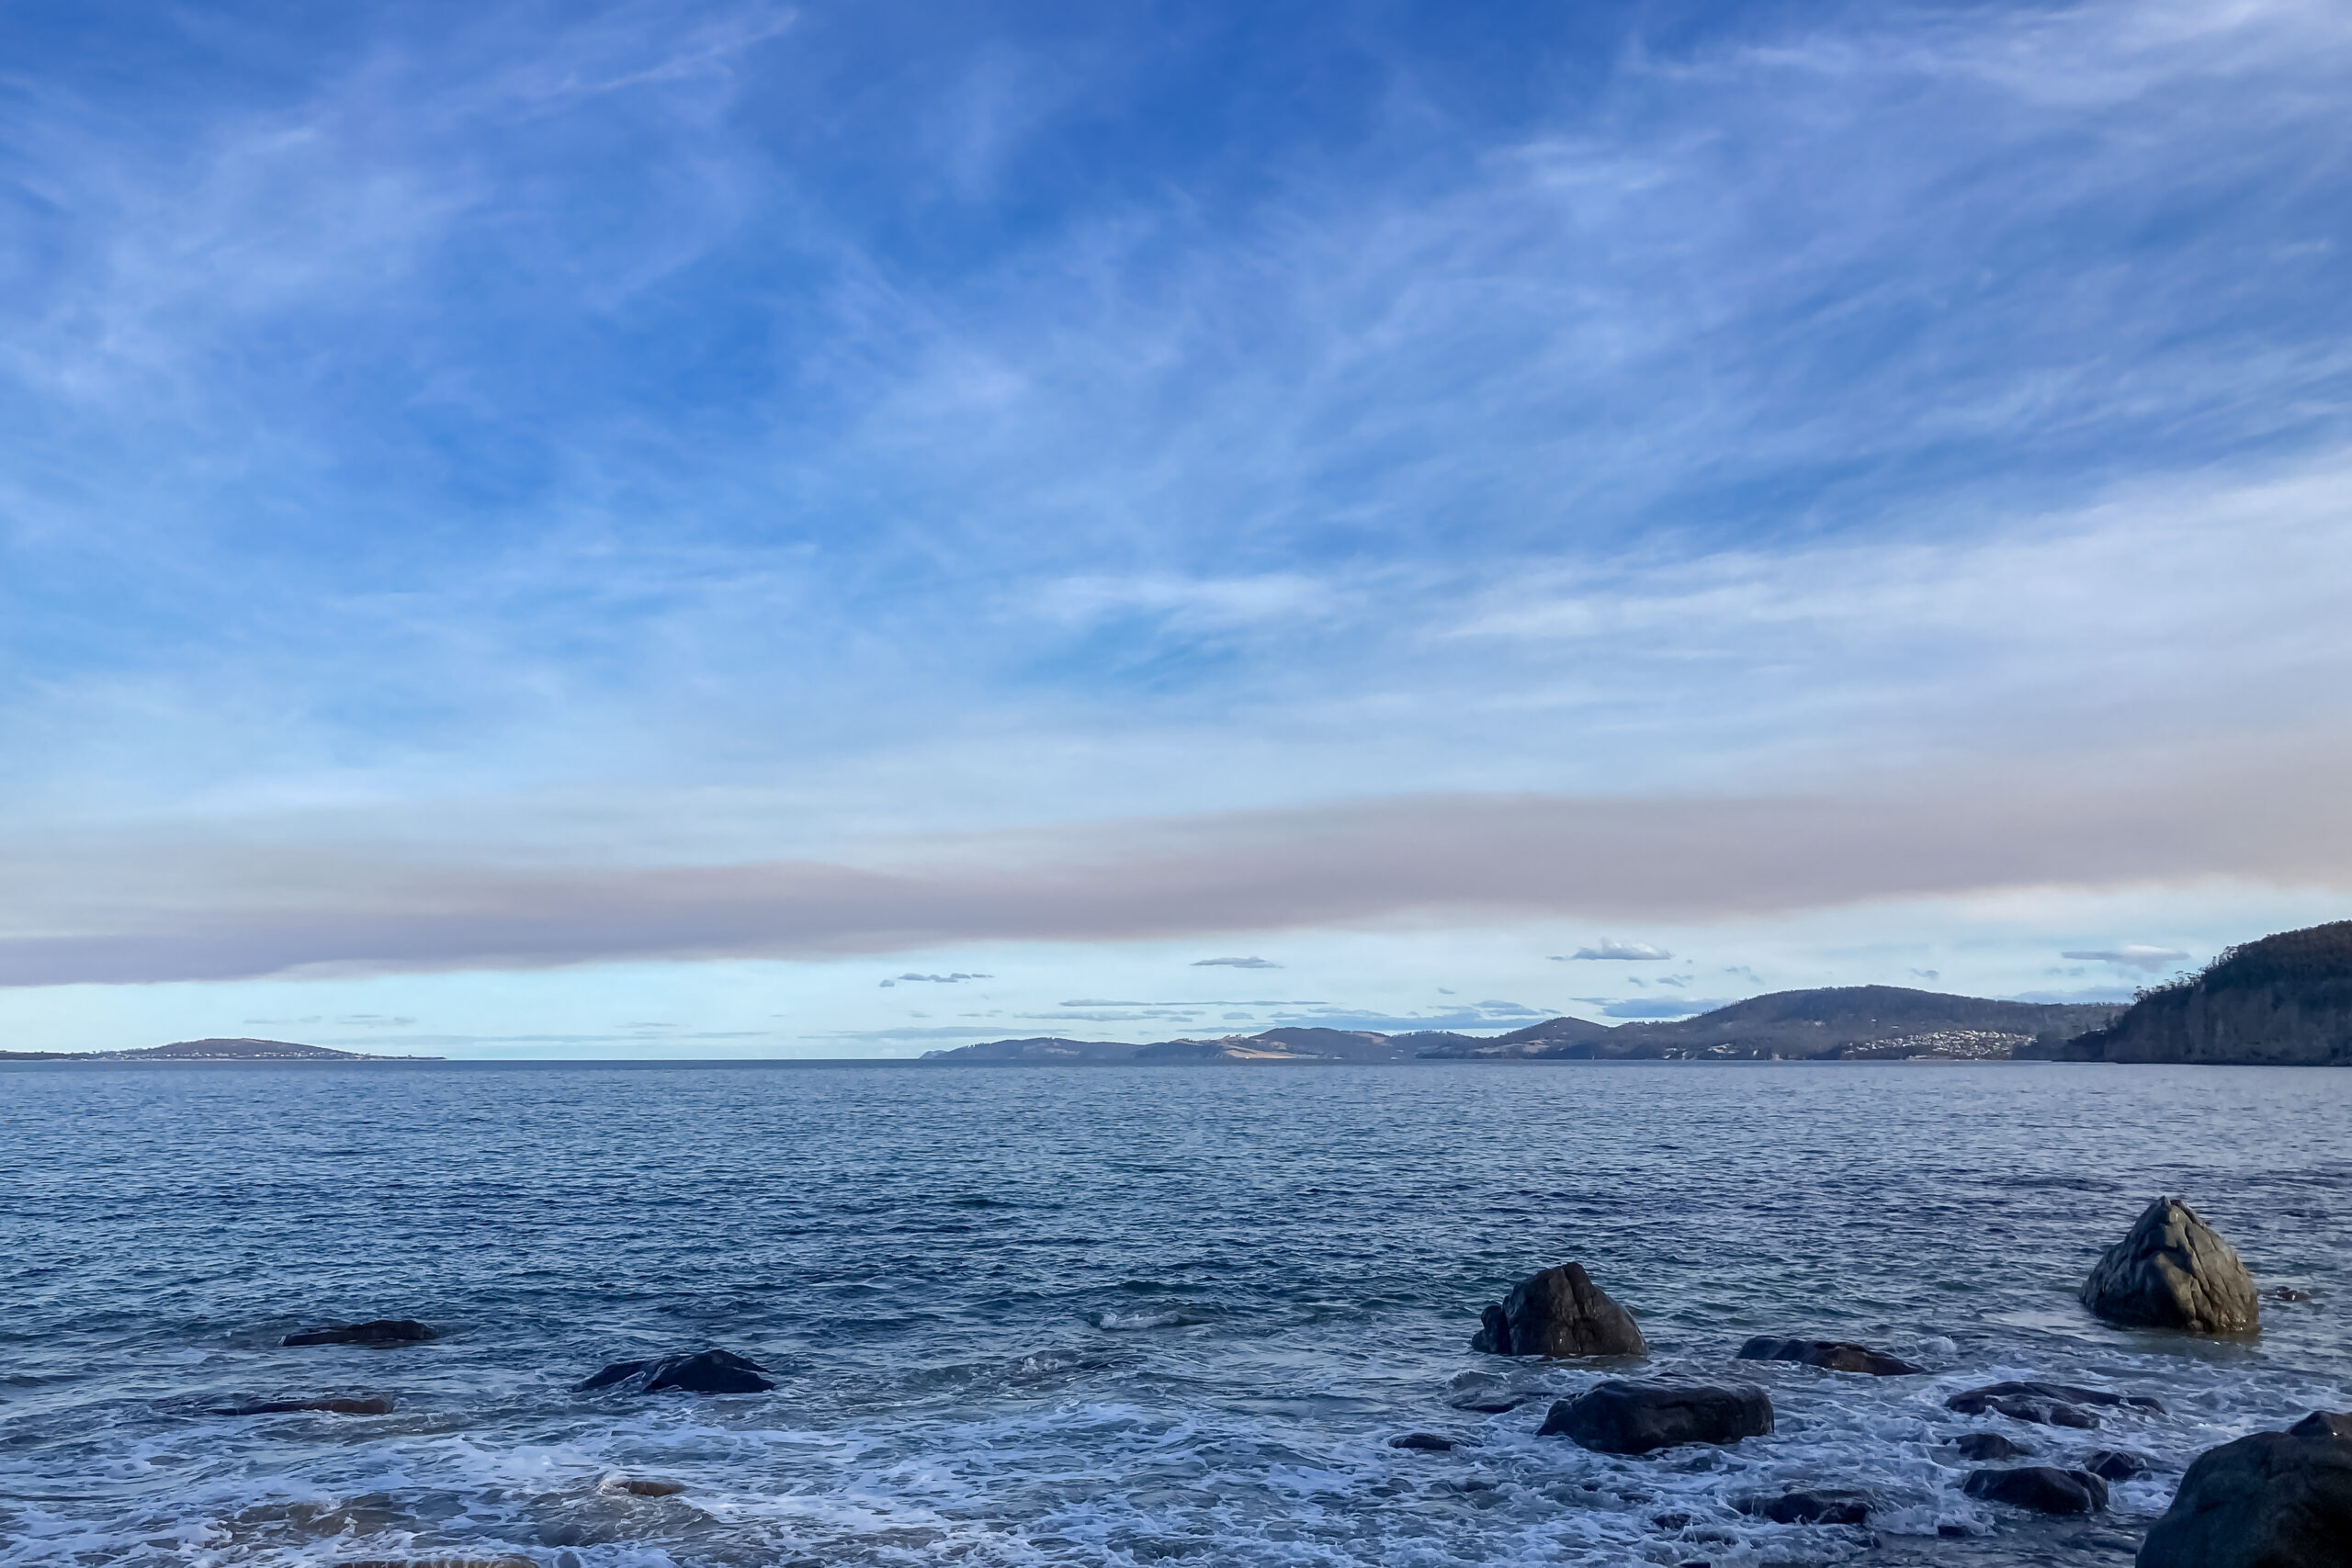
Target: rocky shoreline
x,y
2272,1499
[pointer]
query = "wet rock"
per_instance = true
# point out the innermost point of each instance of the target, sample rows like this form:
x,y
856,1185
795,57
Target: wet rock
x,y
1978,1447
2045,1403
2173,1272
2119,1464
1834,1355
1811,1508
1427,1442
638,1486
2286,1293
382,1331
1621,1418
371,1405
2271,1500
1559,1312
709,1371
2042,1488
1492,1403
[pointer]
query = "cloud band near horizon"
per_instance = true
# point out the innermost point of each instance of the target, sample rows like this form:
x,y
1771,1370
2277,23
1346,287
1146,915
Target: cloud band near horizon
x,y
205,913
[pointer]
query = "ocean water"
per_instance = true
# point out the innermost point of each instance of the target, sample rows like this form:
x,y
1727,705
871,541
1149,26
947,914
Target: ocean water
x,y
1101,1316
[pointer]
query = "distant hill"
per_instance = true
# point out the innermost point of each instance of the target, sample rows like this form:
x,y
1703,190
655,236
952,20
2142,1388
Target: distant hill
x,y
1851,1022
2284,1001
1293,1044
212,1051
1839,1022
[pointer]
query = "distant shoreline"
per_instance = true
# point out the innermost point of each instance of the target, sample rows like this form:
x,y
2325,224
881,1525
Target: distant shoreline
x,y
86,1059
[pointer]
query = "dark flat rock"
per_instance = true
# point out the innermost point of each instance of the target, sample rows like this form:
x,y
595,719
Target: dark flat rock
x,y
382,1331
1832,1355
2046,1404
1559,1313
1427,1442
371,1405
1823,1507
1621,1418
2042,1488
2173,1270
2270,1500
706,1371
1979,1447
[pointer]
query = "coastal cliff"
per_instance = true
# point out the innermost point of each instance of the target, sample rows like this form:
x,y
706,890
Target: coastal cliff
x,y
2283,1001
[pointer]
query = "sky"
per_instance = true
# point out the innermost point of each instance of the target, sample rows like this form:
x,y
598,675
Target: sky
x,y
717,530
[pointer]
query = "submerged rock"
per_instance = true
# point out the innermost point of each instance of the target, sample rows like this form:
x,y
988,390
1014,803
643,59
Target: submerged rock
x,y
1492,1403
1811,1508
1559,1312
707,1372
371,1405
2119,1464
2271,1500
1621,1418
2173,1272
382,1331
1978,1447
638,1486
2045,1403
1834,1355
1428,1442
2044,1489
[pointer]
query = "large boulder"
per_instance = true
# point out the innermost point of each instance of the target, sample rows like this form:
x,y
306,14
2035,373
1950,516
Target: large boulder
x,y
709,1371
1559,1312
1836,1355
2173,1272
2042,1488
1621,1418
382,1331
2272,1500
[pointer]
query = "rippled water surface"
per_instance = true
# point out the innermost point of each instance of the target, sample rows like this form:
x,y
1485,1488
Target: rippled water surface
x,y
1099,1316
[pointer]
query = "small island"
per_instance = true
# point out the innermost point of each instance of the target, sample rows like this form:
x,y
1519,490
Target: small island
x,y
214,1050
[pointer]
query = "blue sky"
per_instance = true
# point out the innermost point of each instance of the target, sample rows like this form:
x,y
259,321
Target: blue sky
x,y
570,530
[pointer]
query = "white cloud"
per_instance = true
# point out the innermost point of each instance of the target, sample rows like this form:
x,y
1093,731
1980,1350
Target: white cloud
x,y
1234,963
1610,947
2130,955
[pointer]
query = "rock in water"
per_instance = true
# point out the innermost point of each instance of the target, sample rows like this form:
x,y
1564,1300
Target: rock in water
x,y
2272,1500
382,1331
1427,1442
2045,1489
1811,1508
638,1486
2118,1465
1978,1447
372,1404
1558,1312
1620,1417
709,1371
2045,1403
1836,1355
2173,1272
